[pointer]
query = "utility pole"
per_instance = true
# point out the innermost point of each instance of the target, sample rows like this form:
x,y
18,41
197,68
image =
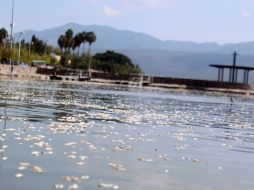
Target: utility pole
x,y
12,24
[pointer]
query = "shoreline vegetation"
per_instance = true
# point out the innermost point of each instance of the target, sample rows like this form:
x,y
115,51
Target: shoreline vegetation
x,y
74,52
30,73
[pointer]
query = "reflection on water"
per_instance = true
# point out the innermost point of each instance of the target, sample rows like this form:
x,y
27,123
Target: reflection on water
x,y
3,134
87,136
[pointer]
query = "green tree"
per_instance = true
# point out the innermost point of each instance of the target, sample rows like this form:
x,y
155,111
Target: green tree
x,y
80,62
114,63
38,46
3,35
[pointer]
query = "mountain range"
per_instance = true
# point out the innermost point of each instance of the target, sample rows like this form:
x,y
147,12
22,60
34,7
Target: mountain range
x,y
157,57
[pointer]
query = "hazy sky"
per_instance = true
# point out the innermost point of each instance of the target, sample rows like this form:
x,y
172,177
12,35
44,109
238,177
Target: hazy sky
x,y
193,20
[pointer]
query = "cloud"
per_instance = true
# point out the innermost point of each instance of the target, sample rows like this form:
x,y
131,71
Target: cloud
x,y
245,14
139,4
110,12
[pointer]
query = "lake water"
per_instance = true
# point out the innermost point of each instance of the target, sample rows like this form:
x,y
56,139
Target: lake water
x,y
89,136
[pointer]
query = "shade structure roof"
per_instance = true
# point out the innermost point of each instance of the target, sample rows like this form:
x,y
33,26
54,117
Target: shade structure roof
x,y
233,67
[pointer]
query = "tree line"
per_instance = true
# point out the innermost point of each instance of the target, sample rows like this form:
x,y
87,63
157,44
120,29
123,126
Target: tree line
x,y
108,62
68,42
35,49
73,52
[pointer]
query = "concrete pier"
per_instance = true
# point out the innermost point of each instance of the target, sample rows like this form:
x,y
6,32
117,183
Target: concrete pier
x,y
21,72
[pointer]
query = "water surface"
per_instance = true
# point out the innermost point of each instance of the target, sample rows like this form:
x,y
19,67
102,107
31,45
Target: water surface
x,y
122,138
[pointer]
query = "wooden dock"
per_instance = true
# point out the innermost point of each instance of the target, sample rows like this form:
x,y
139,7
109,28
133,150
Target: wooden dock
x,y
70,75
69,78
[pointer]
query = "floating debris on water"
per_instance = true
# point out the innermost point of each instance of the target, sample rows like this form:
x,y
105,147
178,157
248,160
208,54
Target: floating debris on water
x,y
72,156
119,141
69,126
19,175
22,168
10,130
118,136
91,147
164,157
35,153
58,186
181,147
75,180
73,186
108,186
80,163
71,179
4,147
82,158
146,160
220,168
85,177
70,144
118,167
121,148
37,169
24,164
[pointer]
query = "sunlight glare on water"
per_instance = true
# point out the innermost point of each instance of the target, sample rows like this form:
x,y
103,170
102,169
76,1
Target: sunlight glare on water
x,y
90,136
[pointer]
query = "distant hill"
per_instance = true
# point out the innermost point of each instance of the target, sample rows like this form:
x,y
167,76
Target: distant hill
x,y
185,64
110,38
157,57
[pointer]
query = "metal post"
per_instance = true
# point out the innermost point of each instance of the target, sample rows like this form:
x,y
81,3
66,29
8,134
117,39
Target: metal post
x,y
234,64
222,76
230,75
219,74
247,77
19,51
20,34
244,77
236,75
12,25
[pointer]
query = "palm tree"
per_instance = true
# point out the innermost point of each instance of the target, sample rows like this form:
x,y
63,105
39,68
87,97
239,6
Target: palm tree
x,y
90,38
83,40
80,41
69,39
74,44
61,42
77,40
